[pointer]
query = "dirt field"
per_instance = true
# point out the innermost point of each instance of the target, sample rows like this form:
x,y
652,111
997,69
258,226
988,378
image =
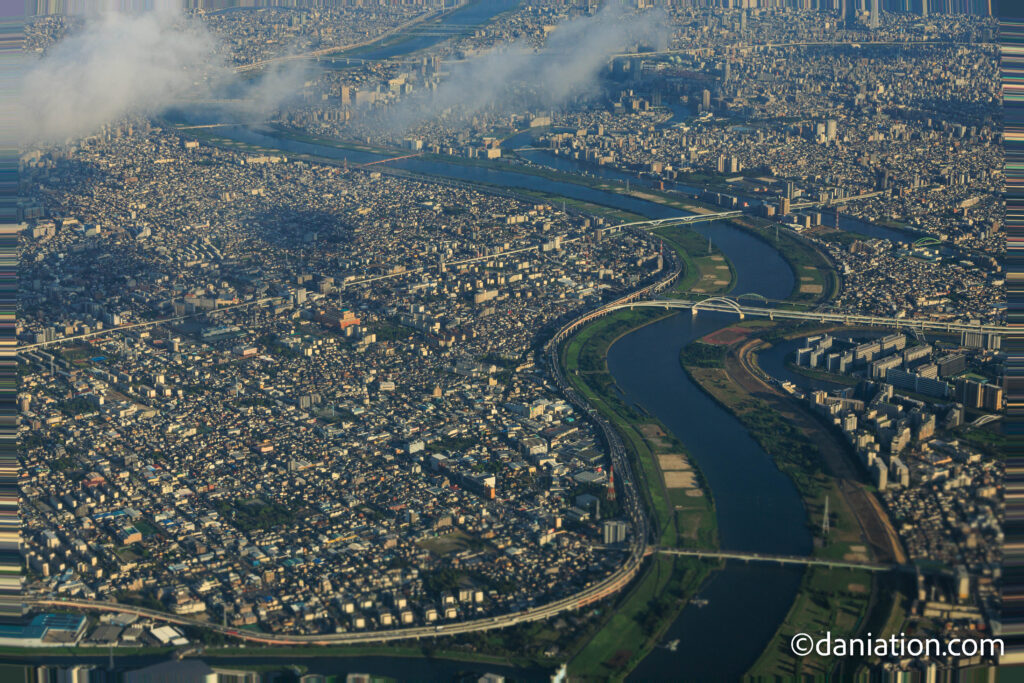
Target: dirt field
x,y
726,336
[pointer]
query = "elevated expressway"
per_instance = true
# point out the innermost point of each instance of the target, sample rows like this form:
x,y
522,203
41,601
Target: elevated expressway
x,y
721,304
632,502
779,559
590,594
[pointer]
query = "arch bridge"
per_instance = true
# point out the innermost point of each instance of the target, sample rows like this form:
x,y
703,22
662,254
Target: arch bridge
x,y
715,303
721,304
679,220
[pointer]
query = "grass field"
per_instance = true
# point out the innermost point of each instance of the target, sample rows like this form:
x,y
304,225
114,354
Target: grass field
x,y
703,271
641,617
832,600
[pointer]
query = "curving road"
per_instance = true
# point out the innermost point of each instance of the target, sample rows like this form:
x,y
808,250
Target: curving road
x,y
610,585
632,502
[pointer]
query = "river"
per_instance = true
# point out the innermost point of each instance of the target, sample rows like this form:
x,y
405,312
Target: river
x,y
758,508
428,35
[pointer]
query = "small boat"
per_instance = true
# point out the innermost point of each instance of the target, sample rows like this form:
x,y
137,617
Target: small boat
x,y
700,602
671,645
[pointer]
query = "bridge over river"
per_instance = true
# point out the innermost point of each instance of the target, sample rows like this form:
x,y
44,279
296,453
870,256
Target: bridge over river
x,y
721,304
779,559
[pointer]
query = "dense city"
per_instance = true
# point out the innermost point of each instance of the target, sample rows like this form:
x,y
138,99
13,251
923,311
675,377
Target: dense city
x,y
310,393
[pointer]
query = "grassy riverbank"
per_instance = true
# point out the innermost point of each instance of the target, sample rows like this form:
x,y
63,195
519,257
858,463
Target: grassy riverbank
x,y
705,271
681,511
833,600
836,600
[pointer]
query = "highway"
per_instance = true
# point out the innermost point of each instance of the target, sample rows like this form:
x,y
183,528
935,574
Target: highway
x,y
727,305
778,559
631,499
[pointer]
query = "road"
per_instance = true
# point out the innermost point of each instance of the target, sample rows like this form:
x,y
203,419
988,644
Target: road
x,y
631,503
727,305
778,559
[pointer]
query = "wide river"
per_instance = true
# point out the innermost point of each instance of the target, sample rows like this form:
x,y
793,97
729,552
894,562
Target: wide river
x,y
758,508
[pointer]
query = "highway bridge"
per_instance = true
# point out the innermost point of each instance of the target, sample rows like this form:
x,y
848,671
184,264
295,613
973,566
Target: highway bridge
x,y
984,420
778,559
721,304
679,220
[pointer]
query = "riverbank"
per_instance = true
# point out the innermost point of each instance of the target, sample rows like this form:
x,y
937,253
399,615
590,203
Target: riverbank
x,y
705,269
817,279
819,465
682,514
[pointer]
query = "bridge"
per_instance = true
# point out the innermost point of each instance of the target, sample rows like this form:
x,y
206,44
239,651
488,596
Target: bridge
x,y
777,559
679,220
715,303
796,206
727,305
984,420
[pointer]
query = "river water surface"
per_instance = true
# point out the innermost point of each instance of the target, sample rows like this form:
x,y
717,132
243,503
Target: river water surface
x,y
758,508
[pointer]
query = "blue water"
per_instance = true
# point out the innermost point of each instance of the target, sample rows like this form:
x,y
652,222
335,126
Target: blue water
x,y
758,508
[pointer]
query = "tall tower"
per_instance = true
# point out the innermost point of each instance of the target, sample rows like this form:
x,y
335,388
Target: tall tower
x,y
824,520
610,494
873,22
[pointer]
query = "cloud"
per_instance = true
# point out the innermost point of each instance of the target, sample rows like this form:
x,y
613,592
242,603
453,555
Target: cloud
x,y
122,64
116,65
517,75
